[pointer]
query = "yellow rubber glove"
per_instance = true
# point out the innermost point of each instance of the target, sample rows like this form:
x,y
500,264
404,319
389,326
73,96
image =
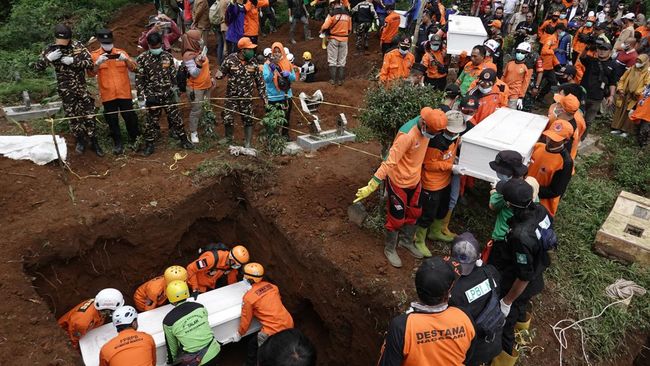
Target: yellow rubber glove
x,y
364,192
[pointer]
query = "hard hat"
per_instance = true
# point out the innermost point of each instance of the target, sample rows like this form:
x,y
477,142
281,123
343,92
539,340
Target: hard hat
x,y
306,55
290,57
524,46
177,291
108,299
240,255
435,119
492,45
175,273
267,52
245,43
254,272
124,315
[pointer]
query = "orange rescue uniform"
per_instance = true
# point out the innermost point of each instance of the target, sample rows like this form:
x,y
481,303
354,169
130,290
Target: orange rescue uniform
x,y
113,76
391,27
548,52
517,77
488,103
252,18
642,110
578,46
428,60
436,169
80,320
396,66
553,172
263,302
541,31
150,294
339,26
129,348
203,274
203,81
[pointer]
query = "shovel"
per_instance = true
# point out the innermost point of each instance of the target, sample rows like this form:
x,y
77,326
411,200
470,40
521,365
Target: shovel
x,y
357,213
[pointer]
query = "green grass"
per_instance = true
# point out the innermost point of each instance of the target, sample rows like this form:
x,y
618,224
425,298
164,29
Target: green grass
x,y
39,89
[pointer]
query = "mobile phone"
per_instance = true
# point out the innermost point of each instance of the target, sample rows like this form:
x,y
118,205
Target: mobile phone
x,y
113,56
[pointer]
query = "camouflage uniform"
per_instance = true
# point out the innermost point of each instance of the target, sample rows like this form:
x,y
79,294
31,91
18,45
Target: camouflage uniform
x,y
242,76
71,85
155,80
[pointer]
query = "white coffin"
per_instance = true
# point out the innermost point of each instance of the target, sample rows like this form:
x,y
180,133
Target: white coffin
x,y
464,33
224,310
505,129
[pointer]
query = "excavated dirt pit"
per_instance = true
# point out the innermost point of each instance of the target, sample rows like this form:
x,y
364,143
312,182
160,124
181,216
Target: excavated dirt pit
x,y
130,255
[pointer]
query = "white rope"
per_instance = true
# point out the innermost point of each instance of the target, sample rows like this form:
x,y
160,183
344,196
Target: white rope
x,y
240,150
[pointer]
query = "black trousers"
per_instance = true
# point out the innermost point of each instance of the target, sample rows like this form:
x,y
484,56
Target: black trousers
x,y
438,84
548,80
125,108
285,105
517,314
435,205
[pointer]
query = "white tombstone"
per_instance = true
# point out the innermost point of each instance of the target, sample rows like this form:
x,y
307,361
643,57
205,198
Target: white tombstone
x,y
224,310
505,129
464,33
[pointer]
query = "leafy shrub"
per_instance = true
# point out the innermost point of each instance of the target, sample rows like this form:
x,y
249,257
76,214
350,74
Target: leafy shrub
x,y
274,143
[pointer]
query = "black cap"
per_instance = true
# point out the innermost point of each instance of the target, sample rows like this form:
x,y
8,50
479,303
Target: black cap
x,y
153,19
62,31
601,26
466,249
487,75
434,279
452,90
604,46
104,36
510,163
569,70
469,102
516,192
418,68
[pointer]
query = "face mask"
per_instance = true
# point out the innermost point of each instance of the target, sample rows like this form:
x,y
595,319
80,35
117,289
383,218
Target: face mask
x,y
403,51
606,10
503,177
156,51
449,137
485,90
107,47
426,134
638,65
248,54
562,34
563,16
467,117
435,47
589,24
520,56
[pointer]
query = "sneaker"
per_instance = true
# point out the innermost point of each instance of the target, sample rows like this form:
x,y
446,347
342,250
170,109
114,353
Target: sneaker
x,y
194,137
623,134
615,132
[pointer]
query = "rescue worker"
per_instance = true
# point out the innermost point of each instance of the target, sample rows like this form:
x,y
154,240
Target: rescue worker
x,y
397,63
551,164
549,61
71,60
308,69
243,73
473,293
156,83
262,302
188,336
640,116
252,18
563,50
365,16
389,29
436,182
402,171
583,36
112,66
472,69
298,13
491,93
567,107
278,75
598,80
336,28
129,347
151,294
199,81
90,314
517,76
216,266
289,346
546,26
421,335
435,60
521,262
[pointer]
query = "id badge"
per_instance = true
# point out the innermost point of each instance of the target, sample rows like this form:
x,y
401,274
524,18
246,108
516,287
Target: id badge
x,y
602,85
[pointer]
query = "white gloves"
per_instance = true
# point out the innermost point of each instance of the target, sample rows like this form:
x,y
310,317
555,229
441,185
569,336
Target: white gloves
x,y
235,338
54,55
67,60
458,170
101,59
505,308
122,57
520,104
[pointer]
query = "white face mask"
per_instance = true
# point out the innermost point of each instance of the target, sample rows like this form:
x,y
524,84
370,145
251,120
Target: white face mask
x,y
107,47
638,65
485,90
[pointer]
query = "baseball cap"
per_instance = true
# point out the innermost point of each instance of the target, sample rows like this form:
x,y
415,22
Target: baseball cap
x,y
452,90
510,163
517,192
104,36
469,102
487,75
406,42
153,19
604,46
62,31
629,16
435,119
569,70
466,250
245,43
435,277
455,122
436,39
559,130
568,102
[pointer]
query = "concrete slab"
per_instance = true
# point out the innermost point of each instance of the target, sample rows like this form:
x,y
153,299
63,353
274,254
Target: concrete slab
x,y
325,138
292,148
625,234
589,146
22,113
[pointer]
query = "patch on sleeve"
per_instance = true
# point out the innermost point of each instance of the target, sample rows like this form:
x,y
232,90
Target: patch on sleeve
x,y
201,263
521,258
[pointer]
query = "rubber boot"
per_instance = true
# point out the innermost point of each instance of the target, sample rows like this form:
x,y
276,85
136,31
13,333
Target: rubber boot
x,y
341,77
390,249
229,131
519,326
445,227
95,146
148,148
118,148
333,75
407,233
435,232
81,144
248,136
504,359
420,234
185,142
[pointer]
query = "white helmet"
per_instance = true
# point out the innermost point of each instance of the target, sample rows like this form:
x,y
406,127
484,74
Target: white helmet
x,y
524,46
492,45
124,315
267,52
109,299
286,51
290,57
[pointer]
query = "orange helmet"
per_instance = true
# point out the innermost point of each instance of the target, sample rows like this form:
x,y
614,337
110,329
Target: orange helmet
x,y
239,256
253,272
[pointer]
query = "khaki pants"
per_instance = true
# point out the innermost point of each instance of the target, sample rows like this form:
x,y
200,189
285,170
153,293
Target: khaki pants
x,y
337,52
197,106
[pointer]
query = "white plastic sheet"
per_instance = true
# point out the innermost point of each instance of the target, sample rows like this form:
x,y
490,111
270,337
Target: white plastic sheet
x,y
38,148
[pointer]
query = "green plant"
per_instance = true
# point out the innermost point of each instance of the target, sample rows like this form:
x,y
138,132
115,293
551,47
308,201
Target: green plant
x,y
11,92
274,143
363,133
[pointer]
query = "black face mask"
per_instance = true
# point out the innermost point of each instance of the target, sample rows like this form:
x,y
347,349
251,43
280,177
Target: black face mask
x,y
555,19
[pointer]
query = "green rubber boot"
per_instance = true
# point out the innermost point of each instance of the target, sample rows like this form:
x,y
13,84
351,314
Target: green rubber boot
x,y
435,232
406,234
420,244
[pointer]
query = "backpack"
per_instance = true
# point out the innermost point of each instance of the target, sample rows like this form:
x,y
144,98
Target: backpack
x,y
216,18
181,78
491,319
546,235
284,84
